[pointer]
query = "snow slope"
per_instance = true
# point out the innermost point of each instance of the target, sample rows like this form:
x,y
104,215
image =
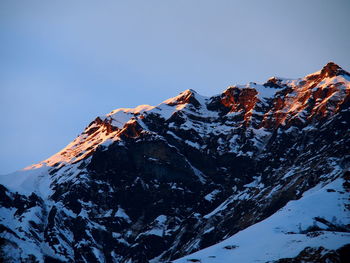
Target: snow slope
x,y
285,234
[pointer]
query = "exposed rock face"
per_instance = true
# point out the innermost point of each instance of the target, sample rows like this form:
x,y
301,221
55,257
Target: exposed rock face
x,y
157,183
321,255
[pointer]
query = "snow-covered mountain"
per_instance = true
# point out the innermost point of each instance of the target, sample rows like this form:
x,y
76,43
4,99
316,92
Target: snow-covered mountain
x,y
259,173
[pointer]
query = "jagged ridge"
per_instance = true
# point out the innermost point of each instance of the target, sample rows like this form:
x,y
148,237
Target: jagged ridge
x,y
157,183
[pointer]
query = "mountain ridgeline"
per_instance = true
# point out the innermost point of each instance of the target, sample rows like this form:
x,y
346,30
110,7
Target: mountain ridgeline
x,y
159,183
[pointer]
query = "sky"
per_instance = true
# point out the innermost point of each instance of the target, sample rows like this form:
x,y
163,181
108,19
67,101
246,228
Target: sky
x,y
63,63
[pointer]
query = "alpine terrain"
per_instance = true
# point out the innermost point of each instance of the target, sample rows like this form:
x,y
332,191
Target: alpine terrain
x,y
258,173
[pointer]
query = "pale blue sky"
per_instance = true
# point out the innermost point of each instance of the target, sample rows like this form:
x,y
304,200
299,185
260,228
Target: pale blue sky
x,y
62,63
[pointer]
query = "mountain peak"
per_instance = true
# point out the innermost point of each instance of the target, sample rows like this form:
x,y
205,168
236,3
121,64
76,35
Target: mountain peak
x,y
331,69
187,96
189,91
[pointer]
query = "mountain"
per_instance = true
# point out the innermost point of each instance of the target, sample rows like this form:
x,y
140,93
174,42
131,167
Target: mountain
x,y
259,172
